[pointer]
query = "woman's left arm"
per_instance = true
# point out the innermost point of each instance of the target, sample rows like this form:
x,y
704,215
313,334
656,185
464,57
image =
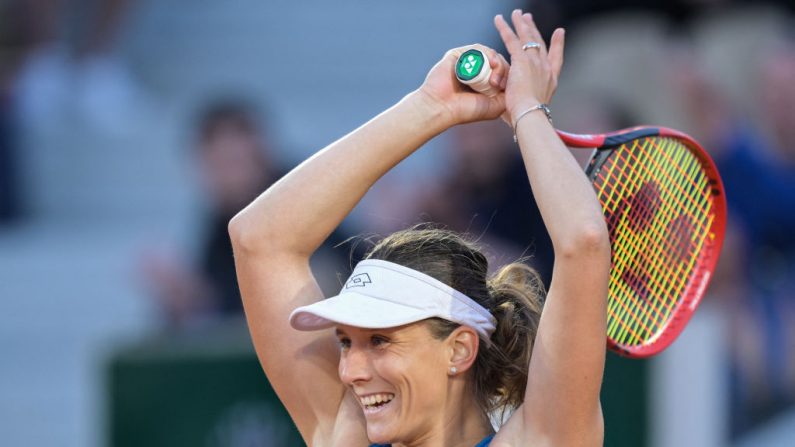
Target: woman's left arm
x,y
561,406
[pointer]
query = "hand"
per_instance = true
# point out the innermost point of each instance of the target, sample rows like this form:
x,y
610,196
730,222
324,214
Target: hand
x,y
459,102
534,72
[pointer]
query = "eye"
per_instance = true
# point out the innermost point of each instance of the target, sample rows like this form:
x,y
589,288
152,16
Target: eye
x,y
378,340
344,342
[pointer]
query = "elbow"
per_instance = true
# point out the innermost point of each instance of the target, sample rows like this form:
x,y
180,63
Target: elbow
x,y
252,236
242,232
589,240
235,228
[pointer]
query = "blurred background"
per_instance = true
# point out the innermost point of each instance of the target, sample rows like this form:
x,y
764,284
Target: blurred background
x,y
132,130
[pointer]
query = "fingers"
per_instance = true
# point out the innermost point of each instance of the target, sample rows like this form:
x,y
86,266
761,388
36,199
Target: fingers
x,y
507,67
526,29
507,35
499,68
453,54
556,51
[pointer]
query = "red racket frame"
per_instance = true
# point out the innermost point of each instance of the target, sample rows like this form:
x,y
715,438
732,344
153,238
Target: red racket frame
x,y
707,258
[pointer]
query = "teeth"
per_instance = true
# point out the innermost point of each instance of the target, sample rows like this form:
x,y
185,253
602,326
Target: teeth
x,y
376,399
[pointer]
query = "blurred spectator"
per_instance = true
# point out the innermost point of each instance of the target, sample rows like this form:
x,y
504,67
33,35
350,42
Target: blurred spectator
x,y
549,14
55,55
756,275
485,192
764,188
17,37
9,187
75,64
235,167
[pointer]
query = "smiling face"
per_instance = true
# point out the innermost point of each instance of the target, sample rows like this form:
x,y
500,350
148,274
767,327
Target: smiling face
x,y
399,376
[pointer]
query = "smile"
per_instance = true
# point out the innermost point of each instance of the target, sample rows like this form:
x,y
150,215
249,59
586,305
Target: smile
x,y
375,402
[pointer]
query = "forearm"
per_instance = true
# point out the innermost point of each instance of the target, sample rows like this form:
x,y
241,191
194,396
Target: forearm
x,y
569,350
564,195
299,211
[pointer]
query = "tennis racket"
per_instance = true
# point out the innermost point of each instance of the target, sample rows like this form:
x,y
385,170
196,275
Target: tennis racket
x,y
665,208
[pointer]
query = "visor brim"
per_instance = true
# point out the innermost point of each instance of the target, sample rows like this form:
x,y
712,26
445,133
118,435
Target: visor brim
x,y
354,309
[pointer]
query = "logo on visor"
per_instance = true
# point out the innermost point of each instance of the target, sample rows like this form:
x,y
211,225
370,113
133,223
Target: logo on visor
x,y
359,280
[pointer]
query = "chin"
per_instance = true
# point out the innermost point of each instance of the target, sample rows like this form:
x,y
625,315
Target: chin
x,y
377,435
383,424
381,433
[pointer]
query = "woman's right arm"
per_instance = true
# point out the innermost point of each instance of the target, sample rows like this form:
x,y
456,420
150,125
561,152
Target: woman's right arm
x,y
274,237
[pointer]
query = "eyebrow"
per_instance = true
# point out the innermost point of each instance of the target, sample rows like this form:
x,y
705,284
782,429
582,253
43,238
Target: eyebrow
x,y
340,333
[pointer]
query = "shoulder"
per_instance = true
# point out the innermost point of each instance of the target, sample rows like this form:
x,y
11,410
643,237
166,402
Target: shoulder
x,y
520,430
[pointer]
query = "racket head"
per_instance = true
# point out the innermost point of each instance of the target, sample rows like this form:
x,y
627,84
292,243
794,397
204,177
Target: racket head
x,y
665,207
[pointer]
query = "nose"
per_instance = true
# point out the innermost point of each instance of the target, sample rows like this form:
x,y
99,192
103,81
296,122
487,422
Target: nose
x,y
354,366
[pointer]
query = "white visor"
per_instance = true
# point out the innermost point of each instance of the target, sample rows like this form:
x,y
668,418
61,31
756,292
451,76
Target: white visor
x,y
381,294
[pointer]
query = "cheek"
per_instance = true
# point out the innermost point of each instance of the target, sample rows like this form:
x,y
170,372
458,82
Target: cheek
x,y
425,388
392,368
421,373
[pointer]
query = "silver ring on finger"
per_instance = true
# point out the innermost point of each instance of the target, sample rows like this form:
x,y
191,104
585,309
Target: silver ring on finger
x,y
529,45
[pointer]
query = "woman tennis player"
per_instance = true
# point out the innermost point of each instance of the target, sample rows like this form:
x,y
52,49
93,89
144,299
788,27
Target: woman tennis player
x,y
419,348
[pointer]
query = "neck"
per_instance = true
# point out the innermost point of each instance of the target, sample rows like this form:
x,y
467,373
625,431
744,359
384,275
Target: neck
x,y
461,423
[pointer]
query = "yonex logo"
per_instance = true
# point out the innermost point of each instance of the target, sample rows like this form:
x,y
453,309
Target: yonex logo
x,y
470,64
359,280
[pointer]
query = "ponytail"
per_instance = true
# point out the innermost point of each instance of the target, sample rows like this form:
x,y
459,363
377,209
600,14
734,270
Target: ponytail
x,y
500,372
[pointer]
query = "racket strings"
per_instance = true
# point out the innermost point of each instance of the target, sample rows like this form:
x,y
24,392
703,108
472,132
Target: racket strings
x,y
658,208
640,214
648,212
642,283
677,239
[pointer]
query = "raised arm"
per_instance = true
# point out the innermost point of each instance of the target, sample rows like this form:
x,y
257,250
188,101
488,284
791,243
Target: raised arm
x,y
561,405
274,237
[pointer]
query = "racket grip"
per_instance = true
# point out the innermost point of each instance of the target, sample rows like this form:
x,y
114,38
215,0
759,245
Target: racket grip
x,y
473,70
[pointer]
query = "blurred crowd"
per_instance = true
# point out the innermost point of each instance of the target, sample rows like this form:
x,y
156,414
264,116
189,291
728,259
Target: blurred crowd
x,y
724,74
